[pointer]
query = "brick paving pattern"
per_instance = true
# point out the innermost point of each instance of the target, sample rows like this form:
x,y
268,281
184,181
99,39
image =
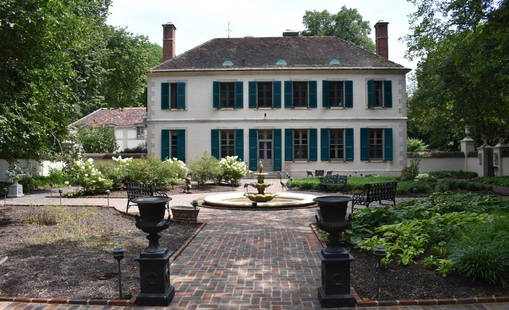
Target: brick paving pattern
x,y
240,260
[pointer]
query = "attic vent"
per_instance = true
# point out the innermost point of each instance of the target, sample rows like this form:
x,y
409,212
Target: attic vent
x,y
116,116
334,61
281,62
227,63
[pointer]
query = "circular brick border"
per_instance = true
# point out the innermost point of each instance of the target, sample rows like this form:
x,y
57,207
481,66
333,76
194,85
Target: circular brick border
x,y
414,302
92,301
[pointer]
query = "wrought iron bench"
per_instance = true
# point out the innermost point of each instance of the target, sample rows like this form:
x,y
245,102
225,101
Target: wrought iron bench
x,y
319,173
375,192
336,181
140,190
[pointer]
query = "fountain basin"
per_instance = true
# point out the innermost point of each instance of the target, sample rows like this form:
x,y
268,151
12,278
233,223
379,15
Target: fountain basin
x,y
237,200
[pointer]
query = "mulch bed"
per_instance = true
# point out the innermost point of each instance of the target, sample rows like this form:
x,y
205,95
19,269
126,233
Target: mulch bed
x,y
412,282
49,261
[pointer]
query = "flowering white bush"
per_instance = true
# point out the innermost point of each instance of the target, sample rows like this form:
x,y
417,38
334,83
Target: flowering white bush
x,y
85,174
232,169
176,169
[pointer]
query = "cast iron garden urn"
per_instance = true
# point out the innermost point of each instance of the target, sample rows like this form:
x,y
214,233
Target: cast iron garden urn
x,y
154,260
335,290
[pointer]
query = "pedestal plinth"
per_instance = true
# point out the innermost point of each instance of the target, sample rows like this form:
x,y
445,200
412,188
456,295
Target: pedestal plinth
x,y
155,278
15,191
335,290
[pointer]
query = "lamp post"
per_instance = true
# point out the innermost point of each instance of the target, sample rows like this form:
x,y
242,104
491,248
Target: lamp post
x,y
335,290
108,192
380,252
6,190
118,254
60,195
154,260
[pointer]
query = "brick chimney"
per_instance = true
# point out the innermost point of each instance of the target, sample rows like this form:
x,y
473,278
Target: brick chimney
x,y
168,41
382,39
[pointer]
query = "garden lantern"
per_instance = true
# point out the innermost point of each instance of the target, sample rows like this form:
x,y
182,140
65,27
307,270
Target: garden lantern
x,y
6,190
118,254
154,260
194,203
60,196
380,252
108,192
335,290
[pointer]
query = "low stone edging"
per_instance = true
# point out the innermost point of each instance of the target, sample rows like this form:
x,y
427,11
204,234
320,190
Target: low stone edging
x,y
413,302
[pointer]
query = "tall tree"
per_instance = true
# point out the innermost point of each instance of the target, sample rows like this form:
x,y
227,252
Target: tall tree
x,y
346,24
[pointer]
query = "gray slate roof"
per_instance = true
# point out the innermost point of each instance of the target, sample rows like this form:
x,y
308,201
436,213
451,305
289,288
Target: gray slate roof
x,y
263,53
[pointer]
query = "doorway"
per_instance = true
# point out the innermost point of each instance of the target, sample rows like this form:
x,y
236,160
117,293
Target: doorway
x,y
265,148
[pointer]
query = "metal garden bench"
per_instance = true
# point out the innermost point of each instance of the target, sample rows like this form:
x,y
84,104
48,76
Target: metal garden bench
x,y
140,190
375,192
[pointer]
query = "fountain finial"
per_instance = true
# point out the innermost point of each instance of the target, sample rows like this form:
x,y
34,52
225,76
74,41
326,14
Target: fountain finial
x,y
260,166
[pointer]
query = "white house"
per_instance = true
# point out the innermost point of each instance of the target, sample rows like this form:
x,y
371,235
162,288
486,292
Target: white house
x,y
296,103
127,124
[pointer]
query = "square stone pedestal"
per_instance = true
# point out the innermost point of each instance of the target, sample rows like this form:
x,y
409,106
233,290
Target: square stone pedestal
x,y
155,278
15,191
335,290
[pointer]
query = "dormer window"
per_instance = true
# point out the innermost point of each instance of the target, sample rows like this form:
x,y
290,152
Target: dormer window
x,y
227,63
281,62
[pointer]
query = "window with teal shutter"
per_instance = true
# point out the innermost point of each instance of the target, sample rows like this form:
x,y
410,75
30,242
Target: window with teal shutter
x,y
181,96
388,94
324,144
276,94
214,143
288,94
325,94
364,144
388,144
239,143
252,94
165,144
215,95
313,133
349,142
181,144
288,144
312,94
371,93
165,96
277,166
239,95
253,150
348,94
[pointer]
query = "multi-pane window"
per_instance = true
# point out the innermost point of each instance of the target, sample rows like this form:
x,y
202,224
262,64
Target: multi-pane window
x,y
336,95
376,145
140,132
227,94
227,146
300,94
173,95
264,94
379,94
173,144
336,144
300,144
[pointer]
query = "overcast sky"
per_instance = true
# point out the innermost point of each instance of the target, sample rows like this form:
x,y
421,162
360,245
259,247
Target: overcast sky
x,y
198,21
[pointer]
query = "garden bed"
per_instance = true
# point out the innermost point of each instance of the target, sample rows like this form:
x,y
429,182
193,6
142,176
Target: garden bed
x,y
72,258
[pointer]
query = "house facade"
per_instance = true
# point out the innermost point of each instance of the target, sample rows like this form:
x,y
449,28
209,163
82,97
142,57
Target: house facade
x,y
294,103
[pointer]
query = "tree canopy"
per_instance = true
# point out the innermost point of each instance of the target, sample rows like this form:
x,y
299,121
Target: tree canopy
x,y
346,24
463,78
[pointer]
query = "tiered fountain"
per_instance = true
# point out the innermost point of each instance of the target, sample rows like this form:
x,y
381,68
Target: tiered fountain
x,y
260,186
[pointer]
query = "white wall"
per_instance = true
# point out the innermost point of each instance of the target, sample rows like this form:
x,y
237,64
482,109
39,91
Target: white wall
x,y
31,167
126,138
199,117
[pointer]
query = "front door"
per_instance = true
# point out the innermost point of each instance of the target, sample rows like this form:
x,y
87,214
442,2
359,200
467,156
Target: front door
x,y
265,148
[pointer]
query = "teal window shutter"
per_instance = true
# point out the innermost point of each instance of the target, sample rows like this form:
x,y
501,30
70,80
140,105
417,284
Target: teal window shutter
x,y
239,95
313,145
325,94
371,93
349,144
239,143
348,94
252,95
288,94
165,144
312,94
181,96
276,94
215,95
388,94
288,144
253,149
277,165
324,144
364,144
165,96
181,144
214,143
388,144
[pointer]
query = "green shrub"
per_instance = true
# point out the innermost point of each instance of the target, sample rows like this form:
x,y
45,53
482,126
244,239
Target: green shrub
x,y
414,187
416,145
96,139
232,169
481,251
205,168
142,148
114,171
445,185
305,183
500,181
453,174
445,267
409,173
84,173
56,178
430,262
151,170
